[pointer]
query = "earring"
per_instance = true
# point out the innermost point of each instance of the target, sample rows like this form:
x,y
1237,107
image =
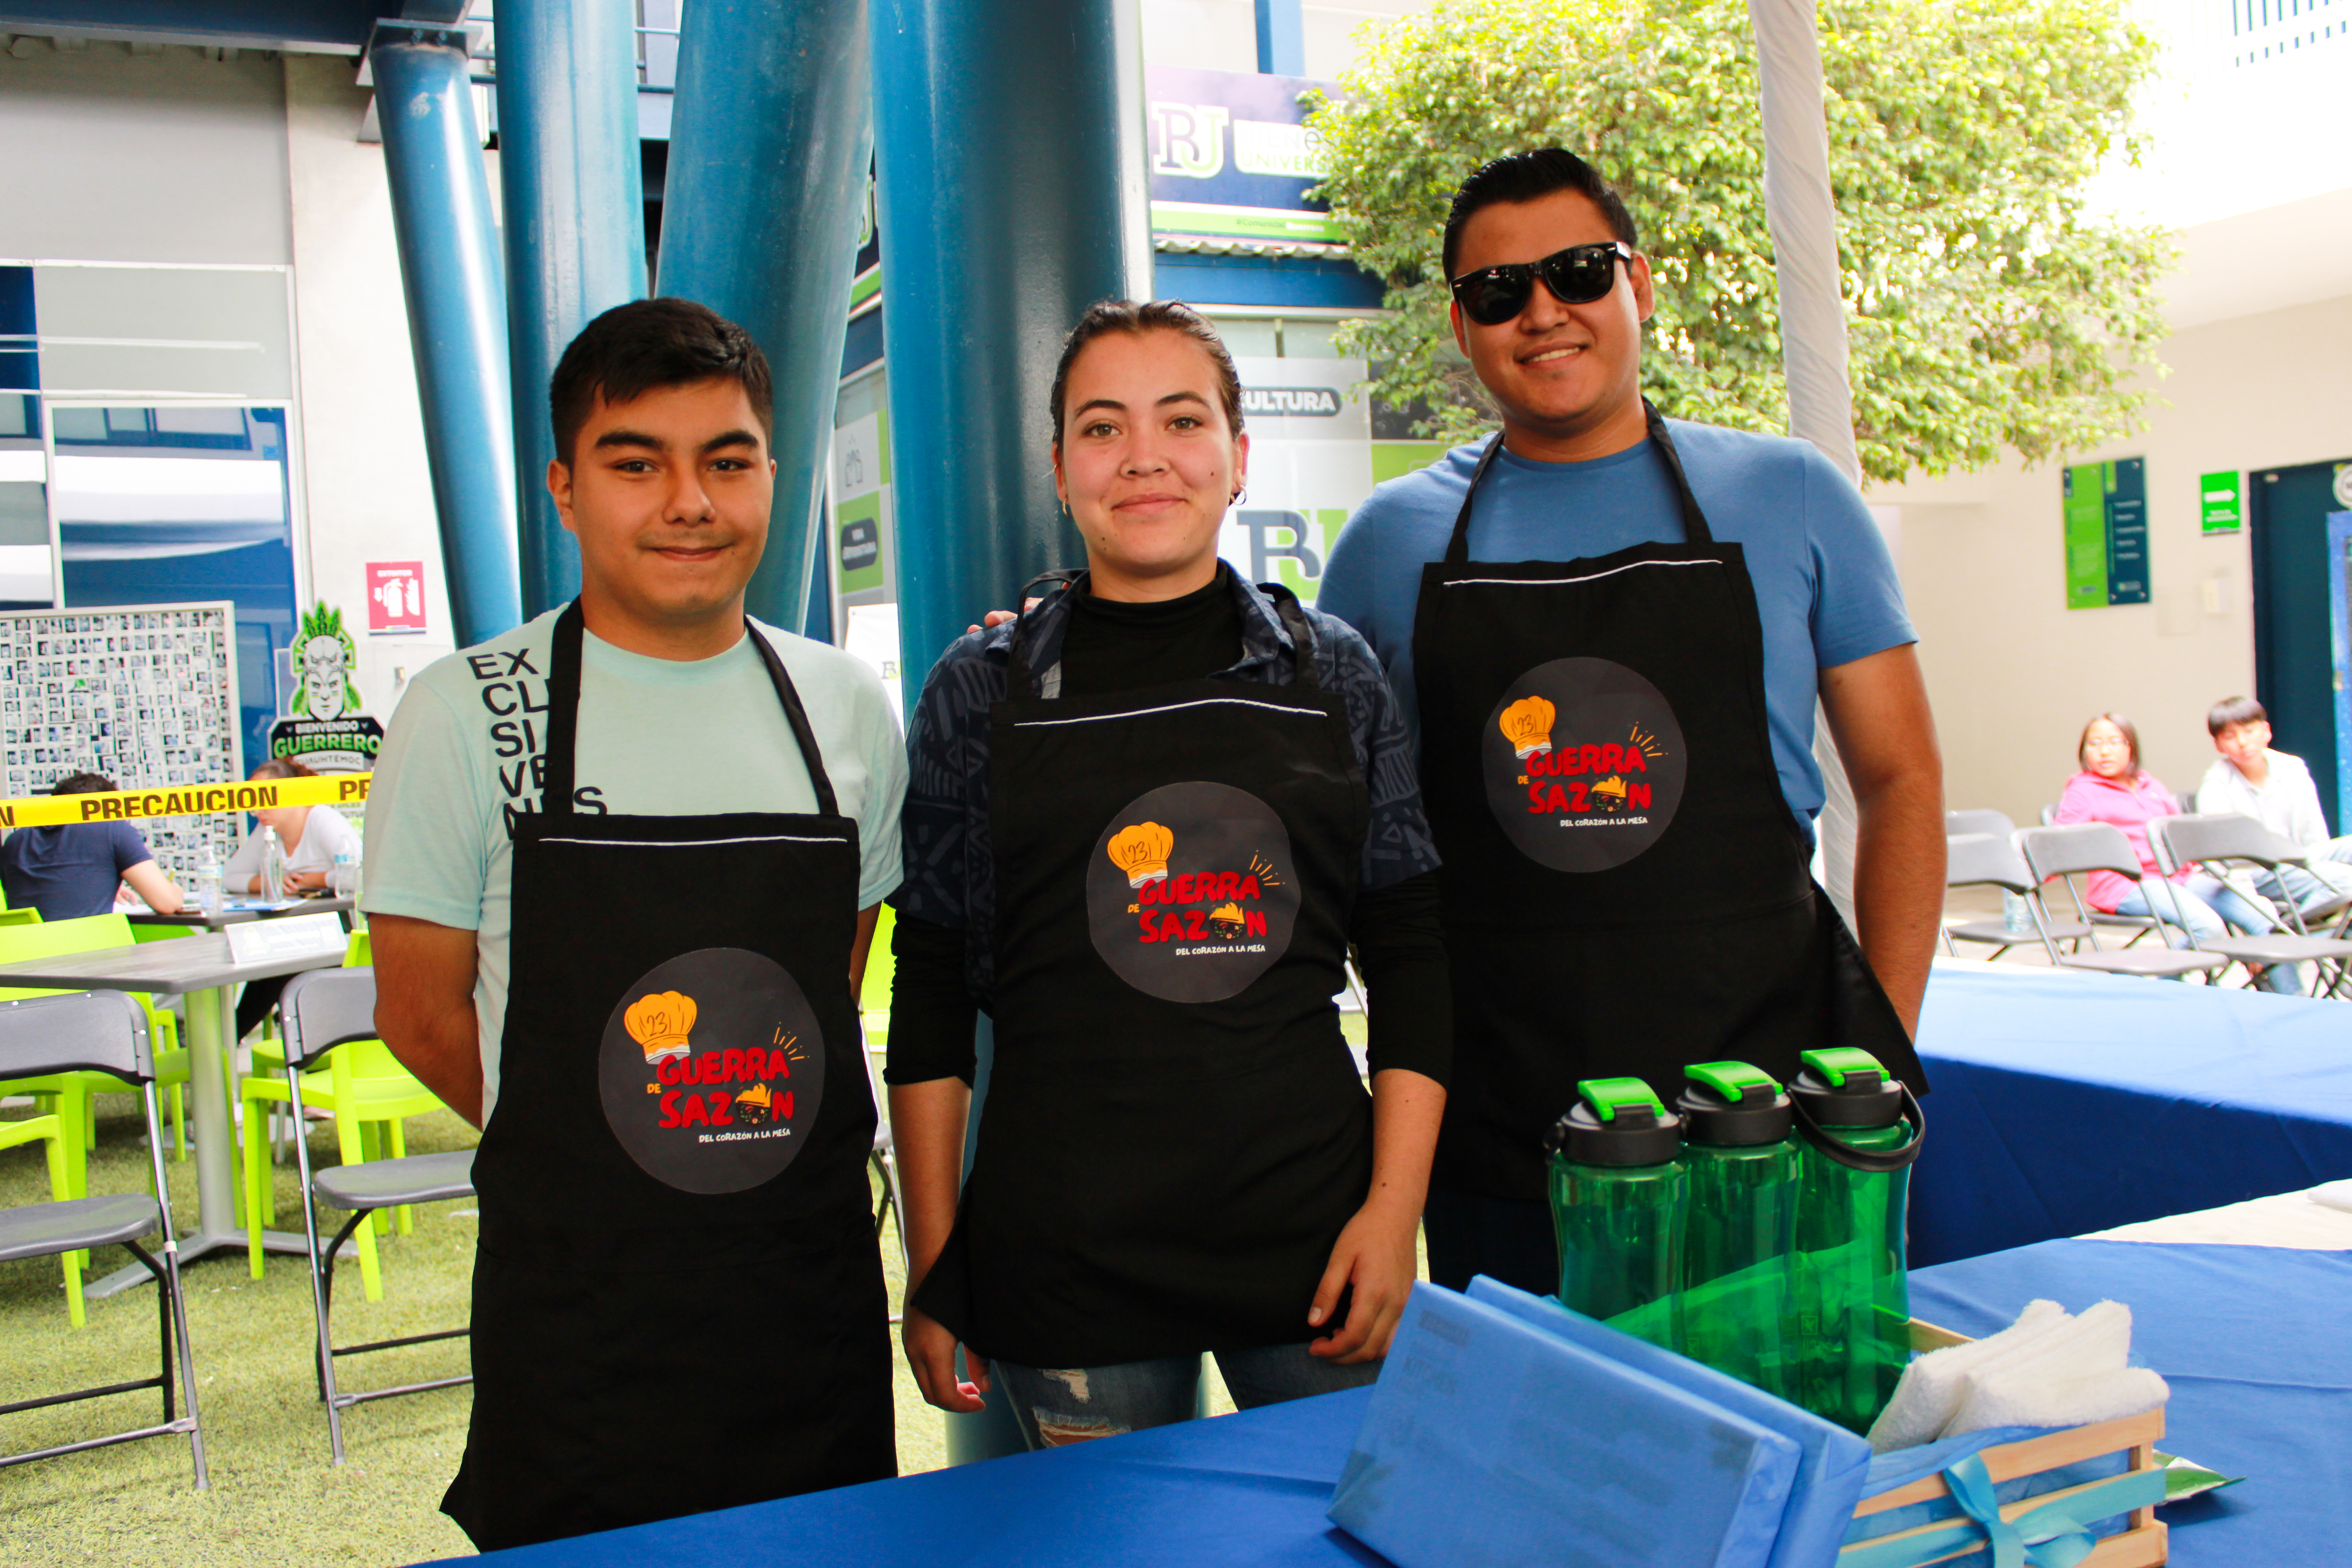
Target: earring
x,y
1240,492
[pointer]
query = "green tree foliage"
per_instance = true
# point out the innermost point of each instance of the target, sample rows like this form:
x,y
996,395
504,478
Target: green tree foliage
x,y
1985,306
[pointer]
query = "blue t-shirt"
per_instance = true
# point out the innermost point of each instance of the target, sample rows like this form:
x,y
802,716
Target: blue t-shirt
x,y
69,872
1825,586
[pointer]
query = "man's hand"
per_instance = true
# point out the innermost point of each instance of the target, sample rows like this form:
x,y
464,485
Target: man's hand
x,y
995,618
932,1354
1374,1254
1878,714
425,1006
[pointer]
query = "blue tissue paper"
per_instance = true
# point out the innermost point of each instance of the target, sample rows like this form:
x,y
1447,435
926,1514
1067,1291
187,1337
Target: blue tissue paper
x,y
1490,1443
1834,1463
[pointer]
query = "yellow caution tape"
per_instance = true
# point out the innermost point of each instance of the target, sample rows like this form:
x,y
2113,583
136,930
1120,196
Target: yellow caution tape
x,y
184,800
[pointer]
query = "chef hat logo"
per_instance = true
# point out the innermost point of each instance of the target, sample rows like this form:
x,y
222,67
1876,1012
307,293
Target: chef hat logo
x,y
1142,852
661,1022
1527,725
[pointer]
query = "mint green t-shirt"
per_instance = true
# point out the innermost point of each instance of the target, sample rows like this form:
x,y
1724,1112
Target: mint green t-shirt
x,y
657,738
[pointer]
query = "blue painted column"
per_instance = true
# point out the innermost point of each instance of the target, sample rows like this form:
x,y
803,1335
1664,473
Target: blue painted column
x,y
456,314
761,207
1281,38
575,227
1012,189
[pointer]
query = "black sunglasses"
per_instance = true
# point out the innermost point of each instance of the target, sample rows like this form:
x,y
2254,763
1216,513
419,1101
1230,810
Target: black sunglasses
x,y
1577,276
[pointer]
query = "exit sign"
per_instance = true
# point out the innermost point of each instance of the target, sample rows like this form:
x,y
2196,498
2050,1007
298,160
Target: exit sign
x,y
2220,502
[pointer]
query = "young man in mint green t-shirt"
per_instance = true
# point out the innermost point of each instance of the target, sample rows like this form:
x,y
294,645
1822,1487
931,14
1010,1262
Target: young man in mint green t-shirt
x,y
707,894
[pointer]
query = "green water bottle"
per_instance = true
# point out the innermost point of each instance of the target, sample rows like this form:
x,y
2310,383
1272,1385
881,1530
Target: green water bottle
x,y
1742,1159
1617,1189
1862,1130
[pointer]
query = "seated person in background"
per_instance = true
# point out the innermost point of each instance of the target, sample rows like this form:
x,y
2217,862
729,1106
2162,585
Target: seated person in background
x,y
2275,790
2115,789
311,836
72,871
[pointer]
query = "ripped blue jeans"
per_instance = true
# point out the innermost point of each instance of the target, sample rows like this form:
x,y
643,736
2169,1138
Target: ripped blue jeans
x,y
1058,1406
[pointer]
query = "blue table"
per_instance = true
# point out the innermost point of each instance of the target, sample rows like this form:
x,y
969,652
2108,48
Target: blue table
x,y
2251,1340
2247,1337
2065,1104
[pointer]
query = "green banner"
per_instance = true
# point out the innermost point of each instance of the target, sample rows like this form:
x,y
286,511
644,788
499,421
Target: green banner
x,y
2106,510
1242,223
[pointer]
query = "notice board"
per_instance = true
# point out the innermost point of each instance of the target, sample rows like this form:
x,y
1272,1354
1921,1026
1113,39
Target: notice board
x,y
147,695
2106,534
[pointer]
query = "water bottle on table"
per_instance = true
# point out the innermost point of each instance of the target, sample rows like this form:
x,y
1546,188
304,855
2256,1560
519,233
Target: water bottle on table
x,y
1740,1155
1862,1130
1617,1191
208,883
273,867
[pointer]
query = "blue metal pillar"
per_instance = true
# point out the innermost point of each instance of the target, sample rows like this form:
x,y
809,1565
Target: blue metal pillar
x,y
1012,189
1011,182
1281,38
575,227
761,207
456,314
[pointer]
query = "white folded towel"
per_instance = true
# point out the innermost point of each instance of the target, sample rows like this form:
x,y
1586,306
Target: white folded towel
x,y
1930,1392
2015,1399
2048,1369
2335,1195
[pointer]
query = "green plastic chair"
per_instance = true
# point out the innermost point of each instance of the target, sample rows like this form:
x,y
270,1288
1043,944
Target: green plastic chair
x,y
371,1095
20,917
50,1129
71,1095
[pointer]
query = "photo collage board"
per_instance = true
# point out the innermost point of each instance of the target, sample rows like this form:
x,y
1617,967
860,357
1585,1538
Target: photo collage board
x,y
146,695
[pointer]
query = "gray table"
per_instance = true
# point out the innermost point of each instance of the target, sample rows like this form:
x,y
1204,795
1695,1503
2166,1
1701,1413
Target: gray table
x,y
202,969
192,916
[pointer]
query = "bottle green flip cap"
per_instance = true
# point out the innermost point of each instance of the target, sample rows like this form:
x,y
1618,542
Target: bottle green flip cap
x,y
1616,1122
1733,1105
1844,1086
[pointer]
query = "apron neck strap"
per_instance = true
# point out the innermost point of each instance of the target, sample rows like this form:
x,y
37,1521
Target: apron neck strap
x,y
563,717
1302,637
1695,527
1017,678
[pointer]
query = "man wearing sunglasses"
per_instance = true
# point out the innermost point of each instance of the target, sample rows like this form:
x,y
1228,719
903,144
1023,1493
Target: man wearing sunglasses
x,y
1611,629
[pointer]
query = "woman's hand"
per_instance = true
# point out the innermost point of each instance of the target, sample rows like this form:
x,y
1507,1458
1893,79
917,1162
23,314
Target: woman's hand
x,y
932,1354
298,881
1375,1254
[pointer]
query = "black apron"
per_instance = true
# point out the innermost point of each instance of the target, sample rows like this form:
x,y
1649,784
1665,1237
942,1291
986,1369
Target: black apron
x,y
1626,891
1175,1133
678,1302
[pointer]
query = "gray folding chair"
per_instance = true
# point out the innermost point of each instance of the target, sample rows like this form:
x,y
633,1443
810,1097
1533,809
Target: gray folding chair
x,y
323,1008
1989,860
1957,822
2076,851
2219,839
101,1031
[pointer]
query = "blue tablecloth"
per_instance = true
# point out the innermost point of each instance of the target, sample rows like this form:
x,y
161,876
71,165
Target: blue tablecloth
x,y
2065,1103
2248,1337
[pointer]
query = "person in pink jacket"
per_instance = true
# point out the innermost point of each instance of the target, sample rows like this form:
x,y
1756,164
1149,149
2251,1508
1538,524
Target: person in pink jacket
x,y
2115,789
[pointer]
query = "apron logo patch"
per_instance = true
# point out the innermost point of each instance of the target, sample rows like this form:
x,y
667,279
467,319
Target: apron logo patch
x,y
1584,764
712,1069
1189,894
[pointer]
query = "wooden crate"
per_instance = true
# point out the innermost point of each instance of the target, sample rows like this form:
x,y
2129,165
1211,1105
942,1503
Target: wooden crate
x,y
2140,1546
